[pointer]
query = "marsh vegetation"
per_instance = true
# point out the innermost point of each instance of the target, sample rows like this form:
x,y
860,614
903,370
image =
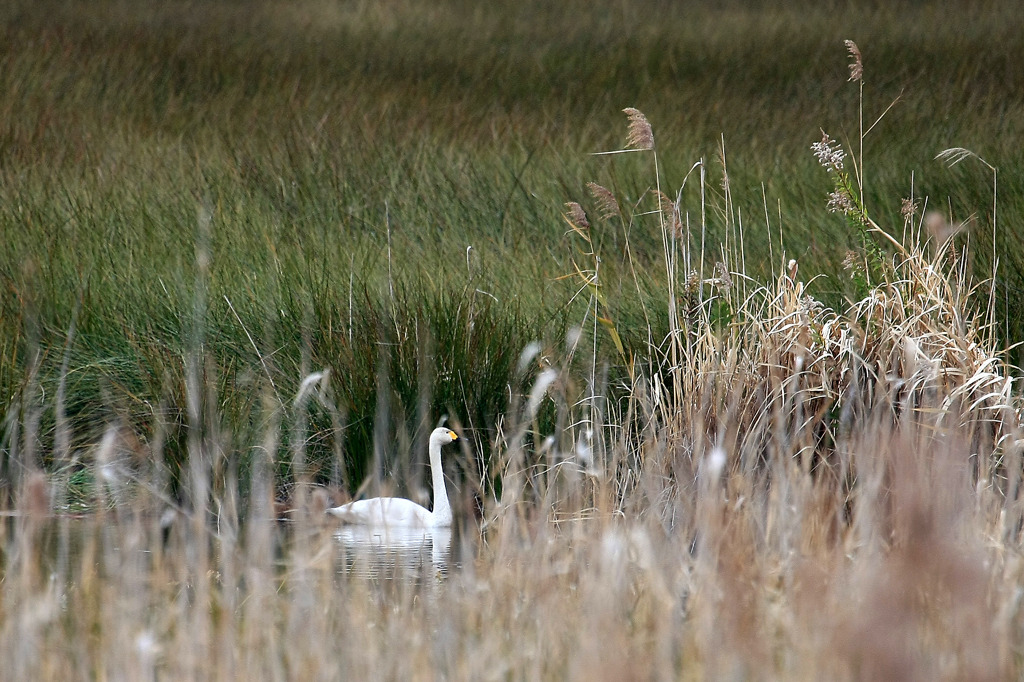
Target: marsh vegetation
x,y
728,406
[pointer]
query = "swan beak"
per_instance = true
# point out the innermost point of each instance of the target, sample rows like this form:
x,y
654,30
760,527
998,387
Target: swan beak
x,y
453,436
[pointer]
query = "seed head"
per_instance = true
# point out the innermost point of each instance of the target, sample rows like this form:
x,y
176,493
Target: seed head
x,y
606,201
908,208
857,65
576,216
692,282
670,213
722,275
640,134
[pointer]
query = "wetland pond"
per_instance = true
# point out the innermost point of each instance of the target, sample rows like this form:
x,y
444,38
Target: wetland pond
x,y
57,544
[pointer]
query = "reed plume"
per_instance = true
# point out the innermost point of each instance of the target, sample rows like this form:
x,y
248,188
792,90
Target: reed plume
x,y
640,135
857,65
607,205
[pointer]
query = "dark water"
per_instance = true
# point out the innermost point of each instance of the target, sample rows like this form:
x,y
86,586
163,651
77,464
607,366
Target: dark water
x,y
57,544
394,553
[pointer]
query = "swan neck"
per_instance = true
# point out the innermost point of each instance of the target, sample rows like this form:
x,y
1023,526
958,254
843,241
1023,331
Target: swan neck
x,y
442,511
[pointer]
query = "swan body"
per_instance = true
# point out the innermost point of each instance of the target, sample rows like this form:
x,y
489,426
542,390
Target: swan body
x,y
383,512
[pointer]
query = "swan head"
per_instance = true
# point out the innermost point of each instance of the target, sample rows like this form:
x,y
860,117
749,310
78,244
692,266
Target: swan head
x,y
443,436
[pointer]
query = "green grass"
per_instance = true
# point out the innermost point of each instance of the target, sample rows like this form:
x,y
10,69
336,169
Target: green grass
x,y
347,151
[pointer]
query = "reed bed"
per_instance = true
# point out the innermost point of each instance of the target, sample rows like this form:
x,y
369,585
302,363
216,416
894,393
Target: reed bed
x,y
688,466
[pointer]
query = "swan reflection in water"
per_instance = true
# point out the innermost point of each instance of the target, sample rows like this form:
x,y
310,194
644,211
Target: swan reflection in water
x,y
394,551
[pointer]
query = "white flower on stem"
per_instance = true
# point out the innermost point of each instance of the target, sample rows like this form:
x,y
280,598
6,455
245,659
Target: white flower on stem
x,y
830,154
840,202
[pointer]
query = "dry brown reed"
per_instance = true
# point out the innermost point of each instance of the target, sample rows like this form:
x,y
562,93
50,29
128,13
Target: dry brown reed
x,y
575,216
801,497
857,65
640,135
607,204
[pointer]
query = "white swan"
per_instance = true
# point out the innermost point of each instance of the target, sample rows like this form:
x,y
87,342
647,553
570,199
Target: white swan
x,y
399,512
